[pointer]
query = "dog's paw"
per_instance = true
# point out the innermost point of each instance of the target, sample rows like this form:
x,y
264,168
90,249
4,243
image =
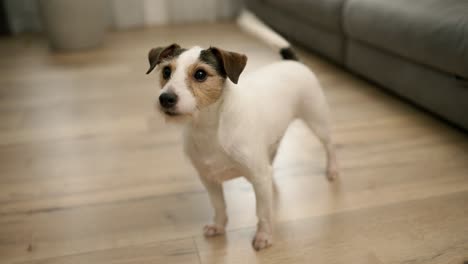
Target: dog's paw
x,y
262,240
213,230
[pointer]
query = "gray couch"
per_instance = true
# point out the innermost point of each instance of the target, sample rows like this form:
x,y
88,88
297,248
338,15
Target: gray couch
x,y
416,48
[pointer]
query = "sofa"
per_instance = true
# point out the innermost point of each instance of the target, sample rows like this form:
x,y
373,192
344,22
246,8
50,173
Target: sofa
x,y
418,49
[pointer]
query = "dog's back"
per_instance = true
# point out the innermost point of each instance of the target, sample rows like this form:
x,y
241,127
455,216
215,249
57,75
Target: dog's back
x,y
288,78
288,88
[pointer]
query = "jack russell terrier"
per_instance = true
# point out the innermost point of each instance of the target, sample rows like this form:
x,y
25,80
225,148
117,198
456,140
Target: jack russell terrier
x,y
233,125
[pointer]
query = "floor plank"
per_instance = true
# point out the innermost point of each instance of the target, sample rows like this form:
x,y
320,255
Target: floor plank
x,y
90,174
176,252
430,230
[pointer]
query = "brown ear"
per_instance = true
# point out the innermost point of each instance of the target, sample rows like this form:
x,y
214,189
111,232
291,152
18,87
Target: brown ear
x,y
157,55
233,63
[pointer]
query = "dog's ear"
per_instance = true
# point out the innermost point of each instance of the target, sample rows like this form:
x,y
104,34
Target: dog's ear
x,y
233,63
157,55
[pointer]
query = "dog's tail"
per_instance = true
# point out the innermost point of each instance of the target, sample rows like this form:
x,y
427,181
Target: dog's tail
x,y
253,25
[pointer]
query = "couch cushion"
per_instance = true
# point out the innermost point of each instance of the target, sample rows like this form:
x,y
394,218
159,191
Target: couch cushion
x,y
328,43
322,13
432,89
431,32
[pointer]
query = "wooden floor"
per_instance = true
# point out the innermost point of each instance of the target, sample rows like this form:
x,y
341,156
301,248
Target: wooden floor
x,y
89,174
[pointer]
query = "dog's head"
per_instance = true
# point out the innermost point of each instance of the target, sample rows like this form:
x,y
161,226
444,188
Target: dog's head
x,y
192,79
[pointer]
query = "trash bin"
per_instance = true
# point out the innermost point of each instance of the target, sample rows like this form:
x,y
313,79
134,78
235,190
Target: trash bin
x,y
74,24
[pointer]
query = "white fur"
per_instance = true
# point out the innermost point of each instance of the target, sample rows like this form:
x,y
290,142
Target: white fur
x,y
187,103
239,134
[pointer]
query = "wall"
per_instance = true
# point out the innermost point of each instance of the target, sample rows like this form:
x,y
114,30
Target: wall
x,y
134,13
23,15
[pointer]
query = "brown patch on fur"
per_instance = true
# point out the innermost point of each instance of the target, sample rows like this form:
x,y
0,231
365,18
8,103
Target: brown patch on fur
x,y
208,91
172,65
233,62
158,55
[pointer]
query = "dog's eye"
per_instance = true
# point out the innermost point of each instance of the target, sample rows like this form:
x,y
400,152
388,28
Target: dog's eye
x,y
200,75
166,72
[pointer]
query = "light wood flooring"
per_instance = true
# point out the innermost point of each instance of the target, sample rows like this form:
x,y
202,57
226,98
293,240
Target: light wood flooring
x,y
90,174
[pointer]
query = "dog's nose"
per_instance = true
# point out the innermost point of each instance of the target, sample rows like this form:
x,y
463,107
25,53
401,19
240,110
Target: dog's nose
x,y
168,100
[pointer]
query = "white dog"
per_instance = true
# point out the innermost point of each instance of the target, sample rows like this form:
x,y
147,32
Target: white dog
x,y
234,125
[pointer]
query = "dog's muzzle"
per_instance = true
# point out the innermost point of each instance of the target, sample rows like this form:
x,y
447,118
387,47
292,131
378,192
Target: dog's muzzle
x,y
168,100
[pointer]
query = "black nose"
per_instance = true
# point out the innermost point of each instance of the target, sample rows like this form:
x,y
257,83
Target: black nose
x,y
168,100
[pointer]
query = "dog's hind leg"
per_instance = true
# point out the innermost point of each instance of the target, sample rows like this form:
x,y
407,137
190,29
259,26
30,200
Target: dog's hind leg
x,y
317,118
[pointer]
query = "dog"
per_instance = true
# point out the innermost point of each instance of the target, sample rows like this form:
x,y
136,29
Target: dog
x,y
234,123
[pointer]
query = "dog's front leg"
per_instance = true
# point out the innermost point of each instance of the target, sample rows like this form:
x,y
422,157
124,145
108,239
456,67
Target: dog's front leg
x,y
263,186
216,194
